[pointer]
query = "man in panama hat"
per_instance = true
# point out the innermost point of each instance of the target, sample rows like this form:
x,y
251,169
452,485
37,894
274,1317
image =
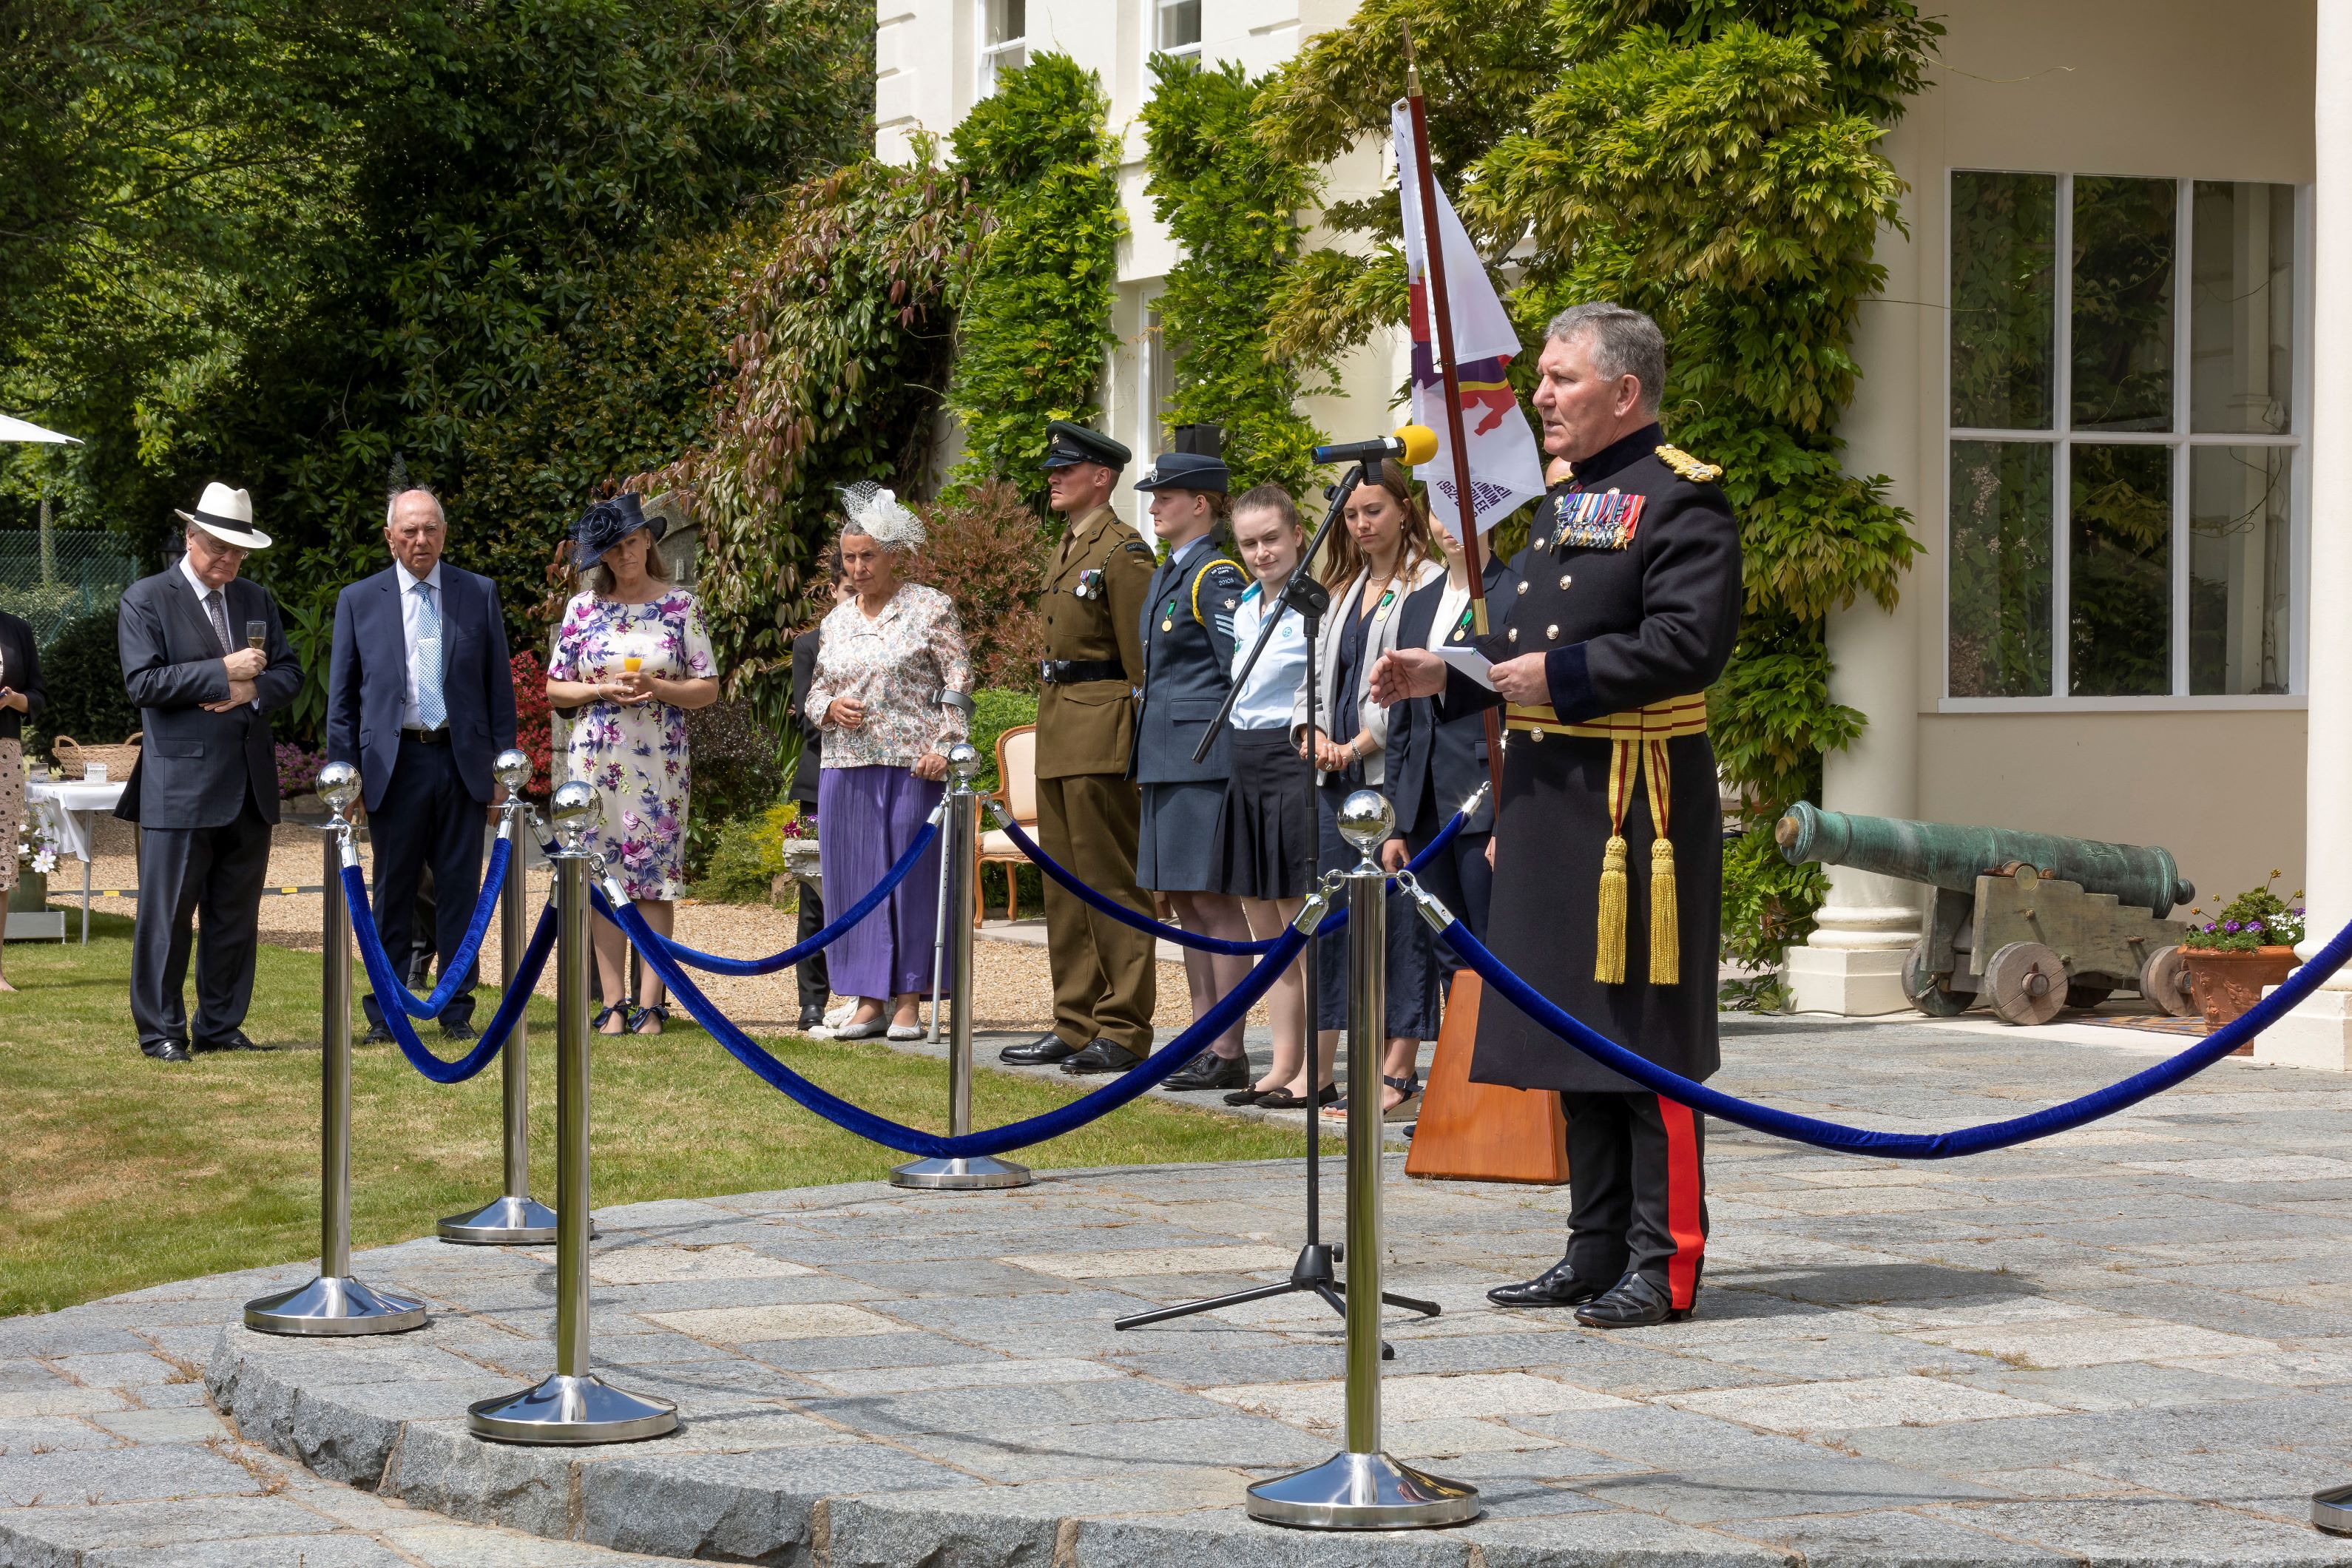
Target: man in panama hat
x,y
206,659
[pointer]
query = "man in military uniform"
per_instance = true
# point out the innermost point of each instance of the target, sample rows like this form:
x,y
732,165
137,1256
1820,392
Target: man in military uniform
x,y
1608,849
1105,977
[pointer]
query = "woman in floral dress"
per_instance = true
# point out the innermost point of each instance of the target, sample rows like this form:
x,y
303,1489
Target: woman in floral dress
x,y
631,657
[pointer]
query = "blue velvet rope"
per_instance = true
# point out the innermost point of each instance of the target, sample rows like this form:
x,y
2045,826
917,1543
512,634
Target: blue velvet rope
x,y
386,984
1334,922
989,1141
456,966
864,906
1976,1140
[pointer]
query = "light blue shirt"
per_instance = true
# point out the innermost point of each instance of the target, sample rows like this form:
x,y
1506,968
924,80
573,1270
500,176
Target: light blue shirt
x,y
1272,690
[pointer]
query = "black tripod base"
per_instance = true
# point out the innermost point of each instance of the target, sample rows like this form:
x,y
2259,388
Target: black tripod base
x,y
1313,1271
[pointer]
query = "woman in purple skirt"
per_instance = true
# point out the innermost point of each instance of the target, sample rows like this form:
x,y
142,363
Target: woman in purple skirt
x,y
888,656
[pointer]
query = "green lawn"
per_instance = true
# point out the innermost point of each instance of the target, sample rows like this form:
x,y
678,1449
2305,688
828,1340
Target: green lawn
x,y
122,1173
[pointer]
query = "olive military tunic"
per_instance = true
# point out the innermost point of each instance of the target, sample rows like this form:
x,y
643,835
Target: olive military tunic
x,y
1104,981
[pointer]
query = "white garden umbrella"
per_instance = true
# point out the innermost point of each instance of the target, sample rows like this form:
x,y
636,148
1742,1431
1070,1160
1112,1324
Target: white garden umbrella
x,y
20,430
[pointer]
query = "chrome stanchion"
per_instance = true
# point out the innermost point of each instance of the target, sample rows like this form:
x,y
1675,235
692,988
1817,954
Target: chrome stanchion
x,y
958,834
572,1405
335,1302
515,1218
1362,1487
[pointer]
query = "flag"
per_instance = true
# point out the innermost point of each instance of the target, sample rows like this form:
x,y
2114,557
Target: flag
x,y
1505,466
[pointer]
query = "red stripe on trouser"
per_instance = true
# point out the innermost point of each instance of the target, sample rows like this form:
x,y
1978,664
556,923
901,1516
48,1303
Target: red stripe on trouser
x,y
1683,1196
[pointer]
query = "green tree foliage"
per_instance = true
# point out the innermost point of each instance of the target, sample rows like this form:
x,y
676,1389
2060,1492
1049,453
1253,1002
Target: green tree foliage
x,y
1714,162
839,333
1231,204
82,674
1037,314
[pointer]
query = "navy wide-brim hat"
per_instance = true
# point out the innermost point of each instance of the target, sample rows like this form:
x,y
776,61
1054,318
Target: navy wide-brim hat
x,y
607,523
1186,471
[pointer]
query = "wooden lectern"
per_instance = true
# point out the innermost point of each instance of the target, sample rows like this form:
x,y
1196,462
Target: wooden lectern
x,y
1482,1132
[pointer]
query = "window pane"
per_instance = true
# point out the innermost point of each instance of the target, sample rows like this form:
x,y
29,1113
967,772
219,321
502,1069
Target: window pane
x,y
2119,561
2123,303
2000,569
2240,606
1180,24
1007,20
2242,309
2004,299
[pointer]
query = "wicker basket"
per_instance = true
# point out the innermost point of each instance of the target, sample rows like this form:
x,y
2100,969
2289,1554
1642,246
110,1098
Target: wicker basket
x,y
74,758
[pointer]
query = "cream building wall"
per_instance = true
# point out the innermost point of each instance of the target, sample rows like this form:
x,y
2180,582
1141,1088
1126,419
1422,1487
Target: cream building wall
x,y
2172,88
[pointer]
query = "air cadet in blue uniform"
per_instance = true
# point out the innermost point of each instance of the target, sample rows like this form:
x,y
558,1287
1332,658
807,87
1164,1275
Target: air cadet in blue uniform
x,y
1187,627
1608,840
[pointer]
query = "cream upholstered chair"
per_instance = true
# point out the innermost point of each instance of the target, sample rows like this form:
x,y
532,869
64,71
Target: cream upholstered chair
x,y
1016,786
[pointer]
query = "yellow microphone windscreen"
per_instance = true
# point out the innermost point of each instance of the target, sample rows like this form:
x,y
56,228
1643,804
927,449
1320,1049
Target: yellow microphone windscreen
x,y
1420,444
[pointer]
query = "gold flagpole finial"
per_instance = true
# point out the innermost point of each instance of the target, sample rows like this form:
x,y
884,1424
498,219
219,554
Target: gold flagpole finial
x,y
1411,71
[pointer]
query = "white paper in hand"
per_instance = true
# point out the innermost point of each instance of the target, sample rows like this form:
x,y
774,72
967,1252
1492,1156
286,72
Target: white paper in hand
x,y
1469,661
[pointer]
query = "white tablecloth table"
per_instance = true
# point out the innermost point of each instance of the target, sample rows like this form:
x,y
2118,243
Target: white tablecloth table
x,y
63,804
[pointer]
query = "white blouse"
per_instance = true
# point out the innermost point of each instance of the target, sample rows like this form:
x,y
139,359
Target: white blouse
x,y
1271,692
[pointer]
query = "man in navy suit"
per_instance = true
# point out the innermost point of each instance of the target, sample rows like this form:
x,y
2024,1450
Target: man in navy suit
x,y
206,659
420,697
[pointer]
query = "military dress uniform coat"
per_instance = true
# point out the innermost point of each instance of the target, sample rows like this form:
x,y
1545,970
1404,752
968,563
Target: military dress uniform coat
x,y
1105,979
1187,627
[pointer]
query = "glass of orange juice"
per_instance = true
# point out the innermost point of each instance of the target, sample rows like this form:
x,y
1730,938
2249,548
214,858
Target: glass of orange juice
x,y
633,662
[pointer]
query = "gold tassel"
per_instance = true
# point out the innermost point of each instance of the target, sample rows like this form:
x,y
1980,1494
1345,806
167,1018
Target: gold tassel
x,y
1666,916
1609,958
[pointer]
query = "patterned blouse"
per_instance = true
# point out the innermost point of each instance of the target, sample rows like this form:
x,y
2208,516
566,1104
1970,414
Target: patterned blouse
x,y
897,663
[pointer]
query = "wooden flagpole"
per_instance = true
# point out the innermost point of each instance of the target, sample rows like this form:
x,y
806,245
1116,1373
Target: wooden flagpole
x,y
1432,247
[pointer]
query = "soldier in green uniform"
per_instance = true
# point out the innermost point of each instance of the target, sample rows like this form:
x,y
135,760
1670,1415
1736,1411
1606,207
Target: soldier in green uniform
x,y
1105,979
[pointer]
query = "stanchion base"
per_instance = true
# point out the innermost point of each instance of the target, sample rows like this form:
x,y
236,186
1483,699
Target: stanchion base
x,y
961,1175
505,1221
571,1411
1363,1491
333,1307
2331,1511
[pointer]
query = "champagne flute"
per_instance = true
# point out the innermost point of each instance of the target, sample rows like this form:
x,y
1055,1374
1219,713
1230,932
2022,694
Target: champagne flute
x,y
257,634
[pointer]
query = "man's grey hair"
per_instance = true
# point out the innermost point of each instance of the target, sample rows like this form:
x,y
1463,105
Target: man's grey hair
x,y
392,506
1624,342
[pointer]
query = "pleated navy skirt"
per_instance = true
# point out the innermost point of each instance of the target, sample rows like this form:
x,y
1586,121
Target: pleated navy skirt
x,y
1267,843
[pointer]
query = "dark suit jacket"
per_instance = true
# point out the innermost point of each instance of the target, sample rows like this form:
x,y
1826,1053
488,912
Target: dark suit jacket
x,y
196,768
804,771
20,671
367,681
1428,754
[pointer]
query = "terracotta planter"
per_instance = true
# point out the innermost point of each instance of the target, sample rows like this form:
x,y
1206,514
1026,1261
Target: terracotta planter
x,y
2226,984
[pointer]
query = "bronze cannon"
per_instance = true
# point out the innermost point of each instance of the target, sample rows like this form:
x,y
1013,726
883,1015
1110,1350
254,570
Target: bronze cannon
x,y
2028,923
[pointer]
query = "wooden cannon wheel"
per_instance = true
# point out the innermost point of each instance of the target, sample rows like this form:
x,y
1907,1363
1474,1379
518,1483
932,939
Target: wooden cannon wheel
x,y
2164,980
2026,983
1927,992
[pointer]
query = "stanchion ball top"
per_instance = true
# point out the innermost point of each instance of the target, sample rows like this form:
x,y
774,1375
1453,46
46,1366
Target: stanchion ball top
x,y
573,812
511,769
1366,819
964,760
338,785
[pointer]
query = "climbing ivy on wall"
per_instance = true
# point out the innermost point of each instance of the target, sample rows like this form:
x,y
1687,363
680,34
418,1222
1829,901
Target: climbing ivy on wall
x,y
1714,162
1035,324
1230,202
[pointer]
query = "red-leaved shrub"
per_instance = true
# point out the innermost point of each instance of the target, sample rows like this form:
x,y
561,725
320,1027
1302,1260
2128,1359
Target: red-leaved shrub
x,y
534,737
988,554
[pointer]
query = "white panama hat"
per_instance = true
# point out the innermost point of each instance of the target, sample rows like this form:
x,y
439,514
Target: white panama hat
x,y
228,516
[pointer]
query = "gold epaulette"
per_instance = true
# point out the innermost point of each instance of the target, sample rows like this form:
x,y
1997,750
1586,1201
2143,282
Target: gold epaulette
x,y
1688,467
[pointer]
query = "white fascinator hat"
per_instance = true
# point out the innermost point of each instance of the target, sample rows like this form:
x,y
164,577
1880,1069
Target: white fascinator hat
x,y
881,516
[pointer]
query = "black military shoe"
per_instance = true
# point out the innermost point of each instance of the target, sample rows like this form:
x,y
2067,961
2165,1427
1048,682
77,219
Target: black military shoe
x,y
1100,1057
1631,1303
811,1016
460,1031
377,1034
1557,1286
1042,1051
1209,1070
234,1040
165,1050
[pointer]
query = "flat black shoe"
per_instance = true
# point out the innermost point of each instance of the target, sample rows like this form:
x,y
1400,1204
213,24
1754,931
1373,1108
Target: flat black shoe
x,y
167,1051
1250,1096
1042,1051
234,1040
1100,1057
1557,1286
1283,1099
1631,1303
460,1031
1209,1070
377,1034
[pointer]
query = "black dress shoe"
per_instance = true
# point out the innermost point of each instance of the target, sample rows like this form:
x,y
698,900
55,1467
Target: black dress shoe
x,y
234,1040
166,1050
1557,1286
377,1034
1209,1070
460,1031
812,1016
1043,1051
1100,1056
1631,1303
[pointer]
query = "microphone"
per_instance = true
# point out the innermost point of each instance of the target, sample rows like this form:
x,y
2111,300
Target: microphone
x,y
1411,445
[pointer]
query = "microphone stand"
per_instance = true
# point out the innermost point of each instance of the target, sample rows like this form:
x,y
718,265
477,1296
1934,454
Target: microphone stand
x,y
1313,1269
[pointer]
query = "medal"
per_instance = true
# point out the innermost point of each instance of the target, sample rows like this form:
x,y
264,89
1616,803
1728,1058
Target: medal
x,y
1167,625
